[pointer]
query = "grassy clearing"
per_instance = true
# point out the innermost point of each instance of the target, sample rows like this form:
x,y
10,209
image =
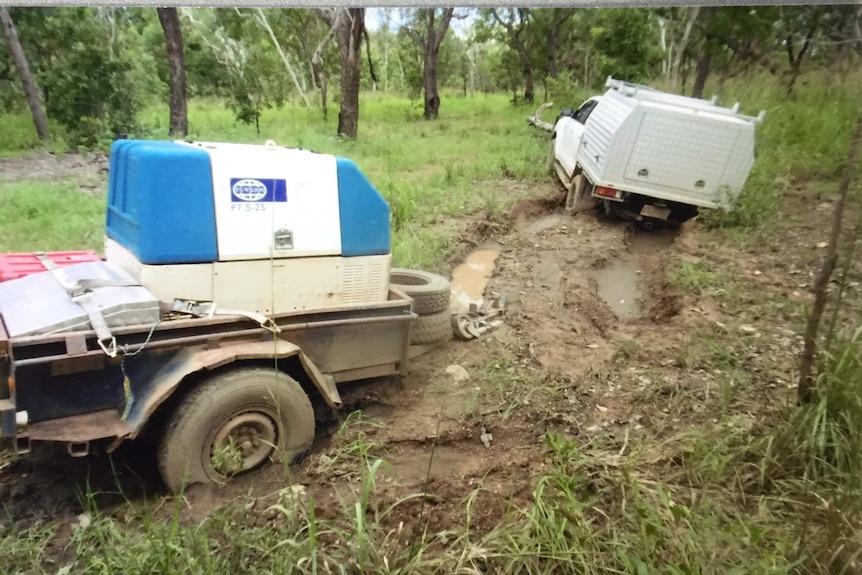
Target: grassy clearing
x,y
779,492
50,216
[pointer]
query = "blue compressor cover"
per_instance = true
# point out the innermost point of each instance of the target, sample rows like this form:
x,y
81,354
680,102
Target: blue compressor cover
x,y
161,206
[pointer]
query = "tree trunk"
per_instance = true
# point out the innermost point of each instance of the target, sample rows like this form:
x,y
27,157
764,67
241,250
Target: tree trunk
x,y
31,91
432,97
318,73
559,16
170,20
261,18
796,61
429,42
551,40
528,77
806,369
857,27
349,50
522,50
702,73
694,11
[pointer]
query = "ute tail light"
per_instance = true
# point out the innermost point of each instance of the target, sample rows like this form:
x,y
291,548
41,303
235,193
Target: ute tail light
x,y
609,193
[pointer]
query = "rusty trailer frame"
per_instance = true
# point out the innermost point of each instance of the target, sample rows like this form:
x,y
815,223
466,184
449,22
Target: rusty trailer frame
x,y
64,388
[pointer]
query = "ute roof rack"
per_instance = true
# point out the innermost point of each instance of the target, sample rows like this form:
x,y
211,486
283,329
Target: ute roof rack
x,y
647,93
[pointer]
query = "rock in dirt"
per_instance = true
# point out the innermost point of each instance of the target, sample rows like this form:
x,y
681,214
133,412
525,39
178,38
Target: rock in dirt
x,y
84,520
458,373
486,438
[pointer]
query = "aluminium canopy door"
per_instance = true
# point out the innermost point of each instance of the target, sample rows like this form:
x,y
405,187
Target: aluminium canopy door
x,y
694,157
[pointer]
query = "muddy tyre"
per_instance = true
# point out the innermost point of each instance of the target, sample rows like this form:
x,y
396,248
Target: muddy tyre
x,y
579,198
233,423
430,292
552,158
432,328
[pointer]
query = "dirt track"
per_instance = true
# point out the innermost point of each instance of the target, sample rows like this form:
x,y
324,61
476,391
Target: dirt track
x,y
596,345
546,369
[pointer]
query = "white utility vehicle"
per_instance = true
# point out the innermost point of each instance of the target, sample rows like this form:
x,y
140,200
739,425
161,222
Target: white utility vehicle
x,y
651,156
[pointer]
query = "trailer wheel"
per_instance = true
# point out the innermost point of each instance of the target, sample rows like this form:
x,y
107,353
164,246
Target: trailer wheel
x,y
431,328
430,292
235,422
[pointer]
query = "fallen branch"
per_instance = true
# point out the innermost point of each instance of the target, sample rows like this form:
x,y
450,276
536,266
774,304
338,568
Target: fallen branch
x,y
536,120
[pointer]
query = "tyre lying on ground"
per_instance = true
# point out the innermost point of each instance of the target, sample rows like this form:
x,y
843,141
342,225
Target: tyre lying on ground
x,y
431,294
431,328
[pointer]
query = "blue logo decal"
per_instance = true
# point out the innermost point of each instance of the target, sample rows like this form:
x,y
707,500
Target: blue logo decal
x,y
257,190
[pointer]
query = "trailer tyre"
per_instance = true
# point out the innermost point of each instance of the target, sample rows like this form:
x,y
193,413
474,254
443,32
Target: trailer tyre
x,y
235,422
432,328
430,292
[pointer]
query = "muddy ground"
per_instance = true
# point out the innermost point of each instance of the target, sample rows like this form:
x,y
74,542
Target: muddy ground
x,y
596,345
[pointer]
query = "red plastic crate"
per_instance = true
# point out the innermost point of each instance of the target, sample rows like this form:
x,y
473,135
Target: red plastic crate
x,y
14,266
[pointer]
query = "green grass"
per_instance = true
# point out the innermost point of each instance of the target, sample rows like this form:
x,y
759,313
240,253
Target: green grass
x,y
50,216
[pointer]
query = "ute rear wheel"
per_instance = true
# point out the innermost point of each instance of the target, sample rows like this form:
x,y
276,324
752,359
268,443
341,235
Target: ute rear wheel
x,y
579,199
233,423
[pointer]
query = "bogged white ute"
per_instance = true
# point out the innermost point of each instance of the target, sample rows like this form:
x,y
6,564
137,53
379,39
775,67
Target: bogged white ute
x,y
652,156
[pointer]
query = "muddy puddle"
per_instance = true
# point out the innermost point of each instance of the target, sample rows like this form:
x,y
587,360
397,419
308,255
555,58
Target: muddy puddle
x,y
620,282
619,286
470,278
545,223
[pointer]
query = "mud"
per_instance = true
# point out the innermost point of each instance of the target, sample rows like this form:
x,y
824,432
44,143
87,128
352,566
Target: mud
x,y
619,286
576,288
470,278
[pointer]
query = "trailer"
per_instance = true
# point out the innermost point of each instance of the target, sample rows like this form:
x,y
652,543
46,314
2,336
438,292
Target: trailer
x,y
242,285
651,156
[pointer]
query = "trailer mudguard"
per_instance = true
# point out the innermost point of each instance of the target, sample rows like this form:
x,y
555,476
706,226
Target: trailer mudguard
x,y
144,403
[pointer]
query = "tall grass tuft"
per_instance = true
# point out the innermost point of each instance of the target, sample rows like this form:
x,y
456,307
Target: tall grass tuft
x,y
823,439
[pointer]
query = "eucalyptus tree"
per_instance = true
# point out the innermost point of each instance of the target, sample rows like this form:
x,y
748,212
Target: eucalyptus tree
x,y
170,21
348,27
31,90
427,28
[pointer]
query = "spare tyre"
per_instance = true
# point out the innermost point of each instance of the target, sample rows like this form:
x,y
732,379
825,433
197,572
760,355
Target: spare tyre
x,y
433,328
430,292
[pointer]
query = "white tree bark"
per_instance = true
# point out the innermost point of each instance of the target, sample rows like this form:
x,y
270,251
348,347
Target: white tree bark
x,y
680,52
261,18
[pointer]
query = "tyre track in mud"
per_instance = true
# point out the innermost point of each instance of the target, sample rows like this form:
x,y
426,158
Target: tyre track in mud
x,y
553,268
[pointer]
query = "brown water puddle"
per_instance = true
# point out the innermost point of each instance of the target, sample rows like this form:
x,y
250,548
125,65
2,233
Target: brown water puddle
x,y
619,285
470,278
